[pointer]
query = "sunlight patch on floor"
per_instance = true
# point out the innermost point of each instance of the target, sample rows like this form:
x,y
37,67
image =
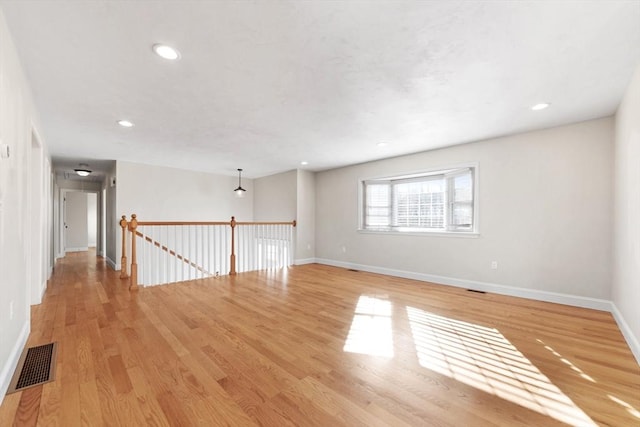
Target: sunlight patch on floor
x,y
630,409
483,358
567,362
370,331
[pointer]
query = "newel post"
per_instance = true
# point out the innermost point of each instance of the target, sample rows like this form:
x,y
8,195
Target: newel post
x,y
133,224
123,259
233,250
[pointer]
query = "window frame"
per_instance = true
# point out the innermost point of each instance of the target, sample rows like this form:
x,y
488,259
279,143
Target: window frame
x,y
447,172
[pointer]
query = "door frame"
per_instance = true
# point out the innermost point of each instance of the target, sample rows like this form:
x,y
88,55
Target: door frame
x,y
62,216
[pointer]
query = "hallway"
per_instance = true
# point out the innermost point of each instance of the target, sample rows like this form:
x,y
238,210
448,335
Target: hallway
x,y
317,345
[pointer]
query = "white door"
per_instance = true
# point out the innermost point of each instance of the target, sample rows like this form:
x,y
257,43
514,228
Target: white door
x,y
76,236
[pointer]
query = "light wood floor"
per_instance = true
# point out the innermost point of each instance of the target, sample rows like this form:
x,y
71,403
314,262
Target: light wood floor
x,y
316,345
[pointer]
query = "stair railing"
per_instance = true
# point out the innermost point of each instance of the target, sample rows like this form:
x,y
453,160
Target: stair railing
x,y
180,251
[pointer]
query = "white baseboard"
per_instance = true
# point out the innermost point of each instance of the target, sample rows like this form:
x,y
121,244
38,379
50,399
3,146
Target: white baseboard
x,y
304,261
578,301
12,362
634,345
78,249
43,289
112,264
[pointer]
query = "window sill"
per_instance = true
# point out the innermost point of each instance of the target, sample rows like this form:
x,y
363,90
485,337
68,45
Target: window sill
x,y
463,234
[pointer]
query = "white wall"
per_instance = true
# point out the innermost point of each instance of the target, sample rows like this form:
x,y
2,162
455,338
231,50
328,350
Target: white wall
x,y
285,197
38,183
113,229
17,122
102,241
92,219
156,193
275,197
306,217
544,214
79,185
626,265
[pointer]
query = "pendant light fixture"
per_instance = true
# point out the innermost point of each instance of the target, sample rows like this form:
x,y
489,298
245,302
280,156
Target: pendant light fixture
x,y
239,191
83,169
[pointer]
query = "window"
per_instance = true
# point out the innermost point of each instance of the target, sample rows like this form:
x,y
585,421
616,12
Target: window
x,y
435,201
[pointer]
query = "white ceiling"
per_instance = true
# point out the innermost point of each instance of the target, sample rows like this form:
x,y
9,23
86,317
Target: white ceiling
x,y
265,85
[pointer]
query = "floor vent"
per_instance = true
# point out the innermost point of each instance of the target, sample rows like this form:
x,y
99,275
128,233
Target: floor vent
x,y
36,366
476,291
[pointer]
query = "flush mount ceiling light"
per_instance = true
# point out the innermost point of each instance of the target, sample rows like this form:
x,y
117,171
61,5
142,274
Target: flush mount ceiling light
x,y
304,163
239,191
540,106
83,169
166,52
382,144
125,123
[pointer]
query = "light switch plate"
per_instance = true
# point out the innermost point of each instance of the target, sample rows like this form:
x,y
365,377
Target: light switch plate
x,y
4,151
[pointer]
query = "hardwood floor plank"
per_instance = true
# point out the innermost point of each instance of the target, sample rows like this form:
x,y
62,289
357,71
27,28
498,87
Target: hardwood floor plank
x,y
27,411
119,374
172,409
9,408
319,346
90,412
149,406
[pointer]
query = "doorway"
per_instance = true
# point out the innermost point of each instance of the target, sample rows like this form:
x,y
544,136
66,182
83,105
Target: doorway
x,y
81,221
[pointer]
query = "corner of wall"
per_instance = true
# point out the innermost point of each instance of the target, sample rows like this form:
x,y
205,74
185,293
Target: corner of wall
x,y
14,357
627,333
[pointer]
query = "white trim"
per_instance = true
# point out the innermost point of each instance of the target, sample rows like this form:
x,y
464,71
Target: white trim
x,y
112,264
431,170
466,234
304,261
574,300
43,289
79,249
475,166
12,361
634,345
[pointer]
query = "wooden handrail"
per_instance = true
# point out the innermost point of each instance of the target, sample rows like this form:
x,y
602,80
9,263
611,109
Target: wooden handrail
x,y
183,223
123,259
292,223
141,223
173,253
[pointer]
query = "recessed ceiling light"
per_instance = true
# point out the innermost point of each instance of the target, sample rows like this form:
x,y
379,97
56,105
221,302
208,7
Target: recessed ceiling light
x,y
382,144
166,52
125,123
540,106
304,163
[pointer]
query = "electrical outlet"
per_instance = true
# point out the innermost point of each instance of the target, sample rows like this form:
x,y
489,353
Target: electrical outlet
x,y
11,310
494,265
